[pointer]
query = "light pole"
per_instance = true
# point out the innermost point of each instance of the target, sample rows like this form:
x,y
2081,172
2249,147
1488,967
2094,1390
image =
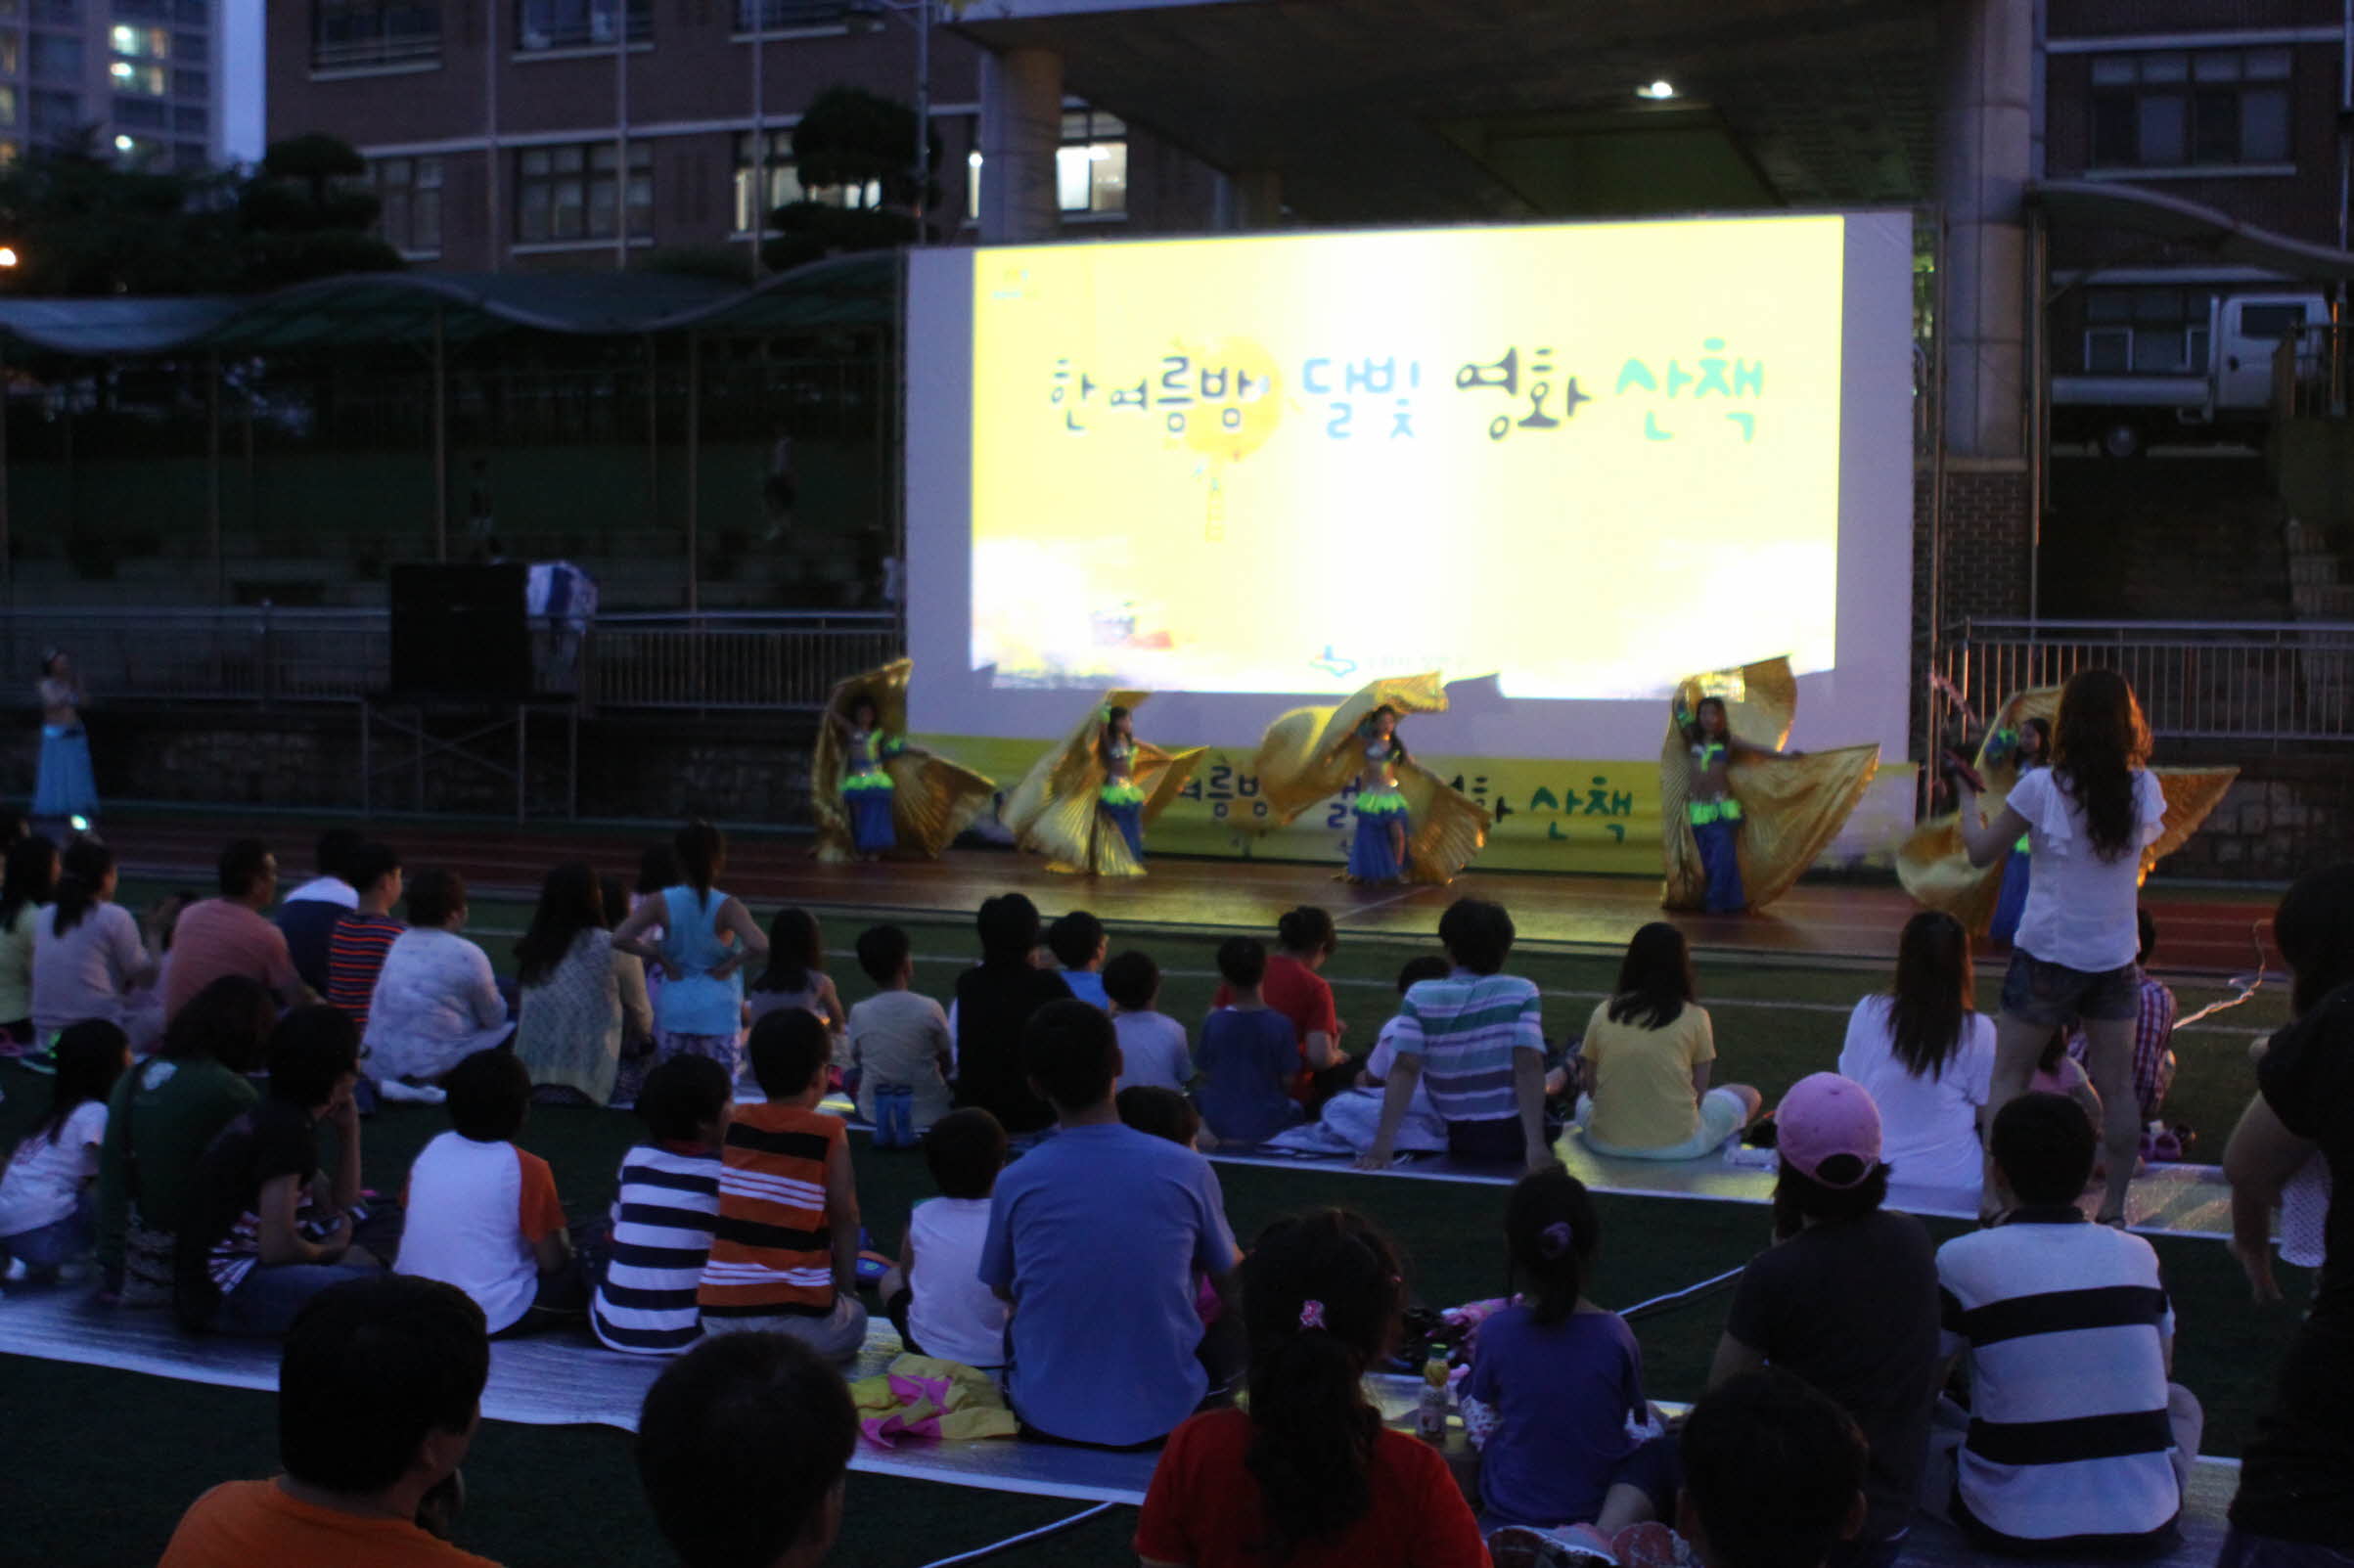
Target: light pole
x,y
867,16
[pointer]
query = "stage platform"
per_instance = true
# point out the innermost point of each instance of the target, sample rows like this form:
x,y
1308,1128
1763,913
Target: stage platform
x,y
2206,932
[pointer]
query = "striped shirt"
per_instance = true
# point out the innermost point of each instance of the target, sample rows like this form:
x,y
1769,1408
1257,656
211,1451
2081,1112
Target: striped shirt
x,y
355,956
663,1219
1465,1030
2067,1326
772,1252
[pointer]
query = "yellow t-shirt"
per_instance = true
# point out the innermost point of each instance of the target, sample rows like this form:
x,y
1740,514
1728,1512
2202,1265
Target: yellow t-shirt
x,y
1643,1094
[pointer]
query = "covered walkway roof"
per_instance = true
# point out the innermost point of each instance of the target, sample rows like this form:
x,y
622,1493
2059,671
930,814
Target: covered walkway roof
x,y
390,308
2138,209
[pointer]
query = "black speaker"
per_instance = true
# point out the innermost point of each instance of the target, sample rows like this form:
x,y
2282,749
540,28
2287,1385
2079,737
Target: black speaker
x,y
460,632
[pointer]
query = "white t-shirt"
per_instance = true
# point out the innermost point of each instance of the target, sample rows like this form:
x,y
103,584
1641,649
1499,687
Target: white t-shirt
x,y
1928,1127
2080,908
45,1180
952,1315
476,1214
1153,1051
326,890
86,974
1383,1059
435,1004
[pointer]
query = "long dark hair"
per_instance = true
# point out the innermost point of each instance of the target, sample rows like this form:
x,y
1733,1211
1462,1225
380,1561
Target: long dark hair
x,y
702,851
2313,927
1930,1004
86,865
1798,1197
2100,741
1109,732
1655,978
90,1056
795,951
1322,1294
1551,1231
1397,746
657,868
571,901
2041,729
30,877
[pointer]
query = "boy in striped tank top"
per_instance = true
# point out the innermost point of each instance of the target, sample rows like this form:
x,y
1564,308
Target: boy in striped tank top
x,y
662,1218
784,1252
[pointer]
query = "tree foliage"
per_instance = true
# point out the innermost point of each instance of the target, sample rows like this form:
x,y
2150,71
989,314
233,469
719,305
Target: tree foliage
x,y
850,138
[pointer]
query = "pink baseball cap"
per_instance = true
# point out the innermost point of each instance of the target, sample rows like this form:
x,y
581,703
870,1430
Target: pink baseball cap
x,y
1824,1116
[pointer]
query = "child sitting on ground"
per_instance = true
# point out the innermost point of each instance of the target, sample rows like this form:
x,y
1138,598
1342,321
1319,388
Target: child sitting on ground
x,y
794,975
934,1293
664,1211
2059,1073
1153,1044
899,1043
48,1195
1356,1115
1162,1112
1248,1053
1078,942
784,1254
1554,1400
482,1214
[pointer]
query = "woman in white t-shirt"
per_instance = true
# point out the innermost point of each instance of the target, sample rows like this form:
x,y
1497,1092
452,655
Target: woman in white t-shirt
x,y
1927,1054
2090,816
48,1200
89,958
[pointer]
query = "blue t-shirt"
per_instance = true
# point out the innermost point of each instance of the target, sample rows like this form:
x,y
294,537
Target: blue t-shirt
x,y
1088,986
1248,1060
1561,1394
1097,1233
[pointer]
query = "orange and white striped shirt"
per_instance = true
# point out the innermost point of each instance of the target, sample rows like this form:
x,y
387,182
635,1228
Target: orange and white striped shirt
x,y
772,1252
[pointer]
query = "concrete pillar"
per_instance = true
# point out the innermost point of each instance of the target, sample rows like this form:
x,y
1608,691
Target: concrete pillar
x,y
1985,146
1253,198
1021,132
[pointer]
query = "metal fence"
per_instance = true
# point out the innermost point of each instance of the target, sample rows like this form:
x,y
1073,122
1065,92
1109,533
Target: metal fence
x,y
751,659
2271,682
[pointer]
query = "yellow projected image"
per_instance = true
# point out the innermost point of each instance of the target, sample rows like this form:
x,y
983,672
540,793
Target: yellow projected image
x,y
1584,459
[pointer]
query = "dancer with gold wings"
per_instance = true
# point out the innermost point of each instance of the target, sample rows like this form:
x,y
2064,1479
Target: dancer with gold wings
x,y
1086,804
872,792
1411,826
1741,818
1933,864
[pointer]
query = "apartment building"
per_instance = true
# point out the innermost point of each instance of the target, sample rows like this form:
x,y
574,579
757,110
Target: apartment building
x,y
135,79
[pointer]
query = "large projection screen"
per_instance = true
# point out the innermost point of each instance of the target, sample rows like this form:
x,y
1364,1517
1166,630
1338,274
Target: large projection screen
x,y
1565,464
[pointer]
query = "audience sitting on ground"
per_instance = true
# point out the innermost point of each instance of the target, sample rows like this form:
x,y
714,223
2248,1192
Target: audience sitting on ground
x,y
784,1251
743,1445
579,999
700,938
1309,1476
1154,1050
1162,1112
994,1002
308,918
48,1192
1354,1116
436,1000
266,1232
365,933
1095,1237
1079,943
379,1393
1475,1040
1774,1474
227,934
2075,1440
1248,1055
90,959
933,1294
1646,1058
1167,1113
1926,1055
899,1043
168,1108
1846,1298
664,1210
1305,941
794,975
483,1215
28,883
2152,1030
1555,1402
2059,1073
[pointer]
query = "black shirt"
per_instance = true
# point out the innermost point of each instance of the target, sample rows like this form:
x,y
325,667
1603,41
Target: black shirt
x,y
1851,1306
993,1001
307,925
2296,1479
271,1140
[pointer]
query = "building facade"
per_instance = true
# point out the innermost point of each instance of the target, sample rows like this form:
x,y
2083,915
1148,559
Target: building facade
x,y
586,133
138,80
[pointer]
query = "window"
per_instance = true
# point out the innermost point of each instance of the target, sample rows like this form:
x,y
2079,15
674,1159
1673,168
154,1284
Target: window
x,y
580,23
191,158
2146,332
57,10
54,57
571,193
2270,320
192,13
56,114
1090,169
10,54
771,16
192,120
140,43
128,76
360,34
146,114
2172,110
784,184
8,103
410,189
139,151
191,84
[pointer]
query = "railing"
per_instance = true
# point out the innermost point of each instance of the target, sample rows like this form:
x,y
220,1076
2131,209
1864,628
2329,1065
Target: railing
x,y
2311,369
746,660
2270,682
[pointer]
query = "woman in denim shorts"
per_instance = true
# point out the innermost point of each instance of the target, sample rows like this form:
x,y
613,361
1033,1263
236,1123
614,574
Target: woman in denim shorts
x,y
2090,815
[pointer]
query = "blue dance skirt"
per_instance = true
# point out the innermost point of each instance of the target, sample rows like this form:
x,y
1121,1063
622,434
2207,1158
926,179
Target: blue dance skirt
x,y
871,826
1372,857
2018,875
66,786
1128,815
1721,861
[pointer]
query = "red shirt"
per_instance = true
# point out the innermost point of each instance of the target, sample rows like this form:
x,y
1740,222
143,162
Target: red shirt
x,y
218,937
1302,996
1204,1508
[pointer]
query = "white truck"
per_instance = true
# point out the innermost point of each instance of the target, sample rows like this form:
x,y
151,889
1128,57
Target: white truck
x,y
2223,391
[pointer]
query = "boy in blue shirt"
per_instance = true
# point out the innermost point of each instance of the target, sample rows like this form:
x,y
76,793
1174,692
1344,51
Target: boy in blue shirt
x,y
1248,1055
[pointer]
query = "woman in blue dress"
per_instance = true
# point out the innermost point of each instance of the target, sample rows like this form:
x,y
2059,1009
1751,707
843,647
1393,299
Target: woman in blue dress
x,y
1716,813
866,784
1377,850
1121,801
66,790
2030,747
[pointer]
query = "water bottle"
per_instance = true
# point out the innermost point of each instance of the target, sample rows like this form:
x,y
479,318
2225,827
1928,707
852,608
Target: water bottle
x,y
1430,1411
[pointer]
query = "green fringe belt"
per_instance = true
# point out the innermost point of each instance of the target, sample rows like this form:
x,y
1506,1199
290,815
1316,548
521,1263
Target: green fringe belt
x,y
864,783
1123,795
1380,803
1705,813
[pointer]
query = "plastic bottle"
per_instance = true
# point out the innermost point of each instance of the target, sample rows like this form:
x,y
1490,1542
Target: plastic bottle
x,y
1430,1411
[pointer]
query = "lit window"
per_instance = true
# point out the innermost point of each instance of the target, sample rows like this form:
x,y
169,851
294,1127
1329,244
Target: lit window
x,y
140,43
129,76
1091,167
